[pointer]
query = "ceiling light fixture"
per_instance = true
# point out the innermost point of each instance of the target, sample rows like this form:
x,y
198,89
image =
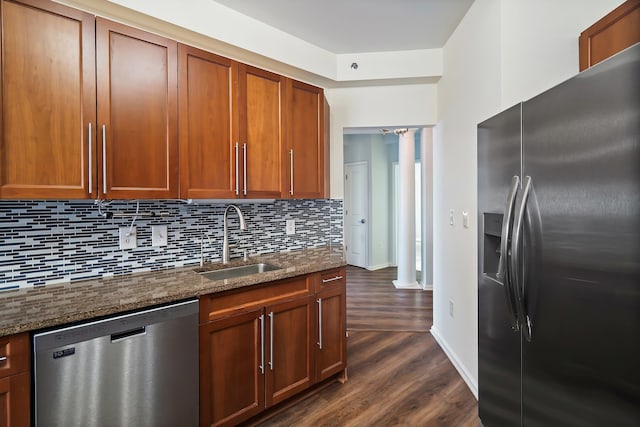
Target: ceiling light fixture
x,y
354,65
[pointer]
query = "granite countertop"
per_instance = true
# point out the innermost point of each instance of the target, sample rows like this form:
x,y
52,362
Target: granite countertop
x,y
39,307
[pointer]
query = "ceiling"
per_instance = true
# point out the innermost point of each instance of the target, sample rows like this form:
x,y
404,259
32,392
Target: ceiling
x,y
355,26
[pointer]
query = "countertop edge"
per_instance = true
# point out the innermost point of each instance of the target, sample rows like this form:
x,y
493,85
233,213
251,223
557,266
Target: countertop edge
x,y
199,287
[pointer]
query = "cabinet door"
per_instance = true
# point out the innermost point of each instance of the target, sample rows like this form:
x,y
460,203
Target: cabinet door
x,y
207,86
331,354
231,365
47,95
615,32
137,112
261,132
290,348
305,141
15,383
15,401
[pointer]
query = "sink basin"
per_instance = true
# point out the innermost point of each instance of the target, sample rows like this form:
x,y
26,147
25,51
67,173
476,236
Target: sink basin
x,y
243,270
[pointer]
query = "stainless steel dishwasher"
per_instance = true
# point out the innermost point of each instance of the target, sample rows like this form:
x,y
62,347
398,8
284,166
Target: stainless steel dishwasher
x,y
138,369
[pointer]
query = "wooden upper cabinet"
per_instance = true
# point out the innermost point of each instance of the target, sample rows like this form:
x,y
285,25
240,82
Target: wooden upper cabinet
x,y
137,112
305,141
208,124
47,94
611,34
262,104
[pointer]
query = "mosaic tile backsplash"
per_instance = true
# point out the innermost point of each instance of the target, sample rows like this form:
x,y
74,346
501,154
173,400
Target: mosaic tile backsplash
x,y
43,242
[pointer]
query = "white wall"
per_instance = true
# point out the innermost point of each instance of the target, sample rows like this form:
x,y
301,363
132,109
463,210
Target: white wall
x,y
219,29
468,91
502,52
540,43
380,106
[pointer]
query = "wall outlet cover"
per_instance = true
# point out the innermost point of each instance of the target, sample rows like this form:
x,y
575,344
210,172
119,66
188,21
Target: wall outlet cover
x,y
128,238
451,215
158,235
291,226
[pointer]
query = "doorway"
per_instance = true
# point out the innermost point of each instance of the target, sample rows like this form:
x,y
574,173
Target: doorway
x,y
356,208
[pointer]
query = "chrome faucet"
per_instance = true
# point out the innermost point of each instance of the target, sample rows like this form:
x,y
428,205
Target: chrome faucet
x,y
225,241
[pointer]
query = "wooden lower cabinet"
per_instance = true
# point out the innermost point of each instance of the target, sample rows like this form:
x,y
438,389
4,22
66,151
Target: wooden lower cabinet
x,y
291,348
231,373
261,346
331,355
15,381
14,400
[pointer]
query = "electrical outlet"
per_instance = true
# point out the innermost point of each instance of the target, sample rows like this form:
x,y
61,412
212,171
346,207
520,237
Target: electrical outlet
x,y
451,307
291,226
158,235
128,238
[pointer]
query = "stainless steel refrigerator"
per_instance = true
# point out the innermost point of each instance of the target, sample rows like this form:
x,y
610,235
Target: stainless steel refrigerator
x,y
559,254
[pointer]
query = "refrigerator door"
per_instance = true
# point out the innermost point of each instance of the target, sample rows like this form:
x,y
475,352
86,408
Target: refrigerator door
x,y
581,275
499,160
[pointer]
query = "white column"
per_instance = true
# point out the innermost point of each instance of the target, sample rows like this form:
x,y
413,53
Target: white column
x,y
426,160
406,212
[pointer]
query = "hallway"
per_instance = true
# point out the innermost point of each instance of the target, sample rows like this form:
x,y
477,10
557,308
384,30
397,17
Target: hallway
x,y
398,375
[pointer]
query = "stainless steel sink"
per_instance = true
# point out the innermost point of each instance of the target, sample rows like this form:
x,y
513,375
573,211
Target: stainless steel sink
x,y
233,272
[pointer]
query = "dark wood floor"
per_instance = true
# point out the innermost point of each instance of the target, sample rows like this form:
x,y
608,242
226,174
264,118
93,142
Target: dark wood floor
x,y
398,375
374,304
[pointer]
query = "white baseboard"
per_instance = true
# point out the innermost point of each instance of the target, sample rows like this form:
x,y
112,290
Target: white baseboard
x,y
378,267
455,361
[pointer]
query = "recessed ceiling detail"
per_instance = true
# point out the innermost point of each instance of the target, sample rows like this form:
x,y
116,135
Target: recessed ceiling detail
x,y
350,26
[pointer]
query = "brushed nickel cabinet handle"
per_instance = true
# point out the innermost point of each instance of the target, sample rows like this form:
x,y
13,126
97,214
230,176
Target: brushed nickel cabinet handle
x,y
291,168
104,159
319,301
262,344
333,279
237,173
244,169
271,341
90,158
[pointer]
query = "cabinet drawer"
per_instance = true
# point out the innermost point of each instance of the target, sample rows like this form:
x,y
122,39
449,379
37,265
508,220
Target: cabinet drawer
x,y
216,306
14,354
330,278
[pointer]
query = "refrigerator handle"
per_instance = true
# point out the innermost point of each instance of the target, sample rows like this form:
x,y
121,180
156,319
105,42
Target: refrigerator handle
x,y
516,245
503,265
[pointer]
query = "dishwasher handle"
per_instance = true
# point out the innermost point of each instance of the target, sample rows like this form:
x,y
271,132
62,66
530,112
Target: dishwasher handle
x,y
142,330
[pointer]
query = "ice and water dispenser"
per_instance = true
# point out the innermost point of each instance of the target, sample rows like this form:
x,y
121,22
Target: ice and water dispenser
x,y
491,243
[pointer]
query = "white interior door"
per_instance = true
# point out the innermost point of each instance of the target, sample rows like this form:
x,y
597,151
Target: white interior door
x,y
356,200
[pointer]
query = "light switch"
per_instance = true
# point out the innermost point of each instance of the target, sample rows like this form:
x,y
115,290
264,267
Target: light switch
x,y
128,238
158,235
291,226
451,214
465,219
